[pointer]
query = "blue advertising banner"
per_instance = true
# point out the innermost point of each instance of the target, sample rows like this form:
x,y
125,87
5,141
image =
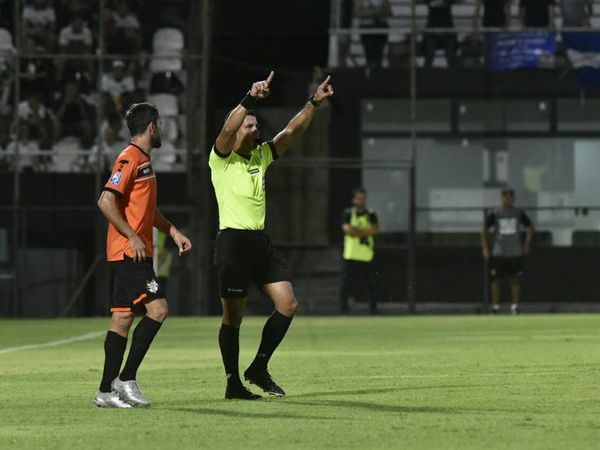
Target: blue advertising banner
x,y
511,51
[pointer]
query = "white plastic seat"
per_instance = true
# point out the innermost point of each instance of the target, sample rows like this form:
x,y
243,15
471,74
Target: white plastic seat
x,y
168,40
65,156
166,104
164,158
5,40
164,64
170,131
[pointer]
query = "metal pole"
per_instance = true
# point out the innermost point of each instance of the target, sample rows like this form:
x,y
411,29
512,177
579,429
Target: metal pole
x,y
201,291
486,276
412,249
100,281
17,168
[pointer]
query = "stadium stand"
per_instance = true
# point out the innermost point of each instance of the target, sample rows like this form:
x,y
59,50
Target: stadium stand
x,y
148,49
397,50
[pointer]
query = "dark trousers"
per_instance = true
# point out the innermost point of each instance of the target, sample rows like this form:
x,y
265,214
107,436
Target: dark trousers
x,y
358,271
374,45
431,43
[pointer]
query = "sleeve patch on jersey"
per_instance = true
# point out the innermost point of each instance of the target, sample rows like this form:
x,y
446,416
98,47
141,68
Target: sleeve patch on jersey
x,y
116,178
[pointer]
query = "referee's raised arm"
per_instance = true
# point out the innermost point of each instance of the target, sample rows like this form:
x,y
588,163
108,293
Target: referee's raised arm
x,y
235,119
301,121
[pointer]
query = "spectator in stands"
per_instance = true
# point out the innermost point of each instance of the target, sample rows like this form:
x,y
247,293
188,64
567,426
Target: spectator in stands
x,y
506,257
373,14
537,13
115,135
359,225
75,38
439,16
576,13
73,117
7,14
118,84
38,119
496,13
123,30
39,21
37,74
6,102
27,149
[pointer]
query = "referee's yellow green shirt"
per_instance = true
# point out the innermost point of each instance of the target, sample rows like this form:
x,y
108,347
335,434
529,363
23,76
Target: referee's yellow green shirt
x,y
239,184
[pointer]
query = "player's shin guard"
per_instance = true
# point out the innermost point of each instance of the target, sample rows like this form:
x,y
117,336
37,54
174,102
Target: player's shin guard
x,y
143,335
272,335
114,349
229,343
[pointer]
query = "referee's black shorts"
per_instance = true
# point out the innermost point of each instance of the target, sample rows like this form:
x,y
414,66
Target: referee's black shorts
x,y
242,256
134,285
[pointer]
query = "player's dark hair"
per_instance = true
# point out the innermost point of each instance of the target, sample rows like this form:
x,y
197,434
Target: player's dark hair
x,y
508,191
139,116
359,190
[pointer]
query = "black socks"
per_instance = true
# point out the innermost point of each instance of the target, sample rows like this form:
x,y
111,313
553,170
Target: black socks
x,y
114,349
142,338
229,343
272,335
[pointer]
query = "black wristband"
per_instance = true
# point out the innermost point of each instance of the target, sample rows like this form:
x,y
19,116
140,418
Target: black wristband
x,y
248,101
312,100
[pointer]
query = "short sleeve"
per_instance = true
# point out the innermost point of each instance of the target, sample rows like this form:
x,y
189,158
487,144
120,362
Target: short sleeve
x,y
268,154
346,216
373,217
122,176
216,160
490,220
524,219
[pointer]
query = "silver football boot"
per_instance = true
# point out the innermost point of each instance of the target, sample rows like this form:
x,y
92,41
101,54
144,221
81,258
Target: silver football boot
x,y
130,392
109,400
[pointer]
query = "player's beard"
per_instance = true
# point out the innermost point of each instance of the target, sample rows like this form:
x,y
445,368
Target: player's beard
x,y
156,140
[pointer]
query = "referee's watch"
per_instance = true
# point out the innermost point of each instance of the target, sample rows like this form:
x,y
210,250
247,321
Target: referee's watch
x,y
312,100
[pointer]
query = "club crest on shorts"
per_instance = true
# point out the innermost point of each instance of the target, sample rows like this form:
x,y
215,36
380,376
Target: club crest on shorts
x,y
152,286
116,178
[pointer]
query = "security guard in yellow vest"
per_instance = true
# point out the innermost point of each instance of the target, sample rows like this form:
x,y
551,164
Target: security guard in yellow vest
x,y
359,225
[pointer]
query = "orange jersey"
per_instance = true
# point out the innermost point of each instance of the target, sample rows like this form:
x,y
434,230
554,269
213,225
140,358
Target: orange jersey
x,y
133,181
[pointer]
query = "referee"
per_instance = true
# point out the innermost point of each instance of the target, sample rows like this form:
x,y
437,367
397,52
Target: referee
x,y
243,251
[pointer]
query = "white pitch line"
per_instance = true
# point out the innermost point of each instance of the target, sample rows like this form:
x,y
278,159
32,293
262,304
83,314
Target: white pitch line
x,y
83,337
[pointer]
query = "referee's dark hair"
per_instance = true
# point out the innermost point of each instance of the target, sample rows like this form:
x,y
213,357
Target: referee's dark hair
x,y
139,116
250,112
359,190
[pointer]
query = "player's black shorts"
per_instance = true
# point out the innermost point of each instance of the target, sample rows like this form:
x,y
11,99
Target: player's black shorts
x,y
242,256
506,267
134,285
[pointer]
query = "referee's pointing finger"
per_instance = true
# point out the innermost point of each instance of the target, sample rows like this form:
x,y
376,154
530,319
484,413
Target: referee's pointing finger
x,y
270,78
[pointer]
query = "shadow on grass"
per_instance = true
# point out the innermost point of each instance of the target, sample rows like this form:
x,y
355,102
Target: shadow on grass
x,y
381,390
308,400
250,415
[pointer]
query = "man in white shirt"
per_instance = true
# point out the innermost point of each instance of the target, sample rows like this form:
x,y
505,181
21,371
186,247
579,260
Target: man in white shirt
x,y
75,38
117,84
38,22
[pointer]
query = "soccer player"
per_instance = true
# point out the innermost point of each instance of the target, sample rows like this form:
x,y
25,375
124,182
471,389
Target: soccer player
x,y
359,225
128,201
506,258
243,251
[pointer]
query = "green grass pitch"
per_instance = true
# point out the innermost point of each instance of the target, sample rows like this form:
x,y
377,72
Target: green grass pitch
x,y
429,382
